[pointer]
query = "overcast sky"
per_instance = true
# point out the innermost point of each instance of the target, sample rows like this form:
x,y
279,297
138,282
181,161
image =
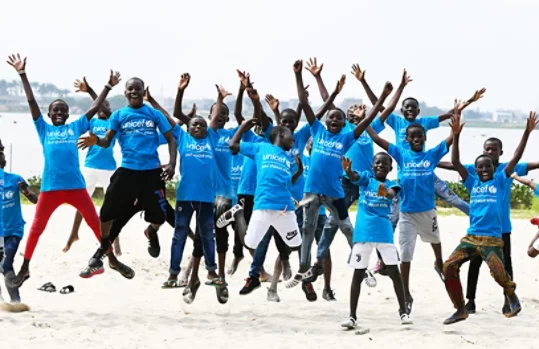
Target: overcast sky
x,y
450,48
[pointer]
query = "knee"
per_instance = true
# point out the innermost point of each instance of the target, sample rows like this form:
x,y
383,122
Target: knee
x,y
393,272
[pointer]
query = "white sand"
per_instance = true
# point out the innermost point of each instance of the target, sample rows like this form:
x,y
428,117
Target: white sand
x,y
109,311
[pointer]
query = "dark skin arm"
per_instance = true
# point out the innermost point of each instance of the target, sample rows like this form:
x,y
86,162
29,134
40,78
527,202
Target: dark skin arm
x,y
446,165
178,112
316,70
235,142
462,105
360,75
381,142
245,83
30,195
84,86
347,167
299,172
114,79
20,65
406,79
372,113
274,106
149,98
221,95
530,126
456,129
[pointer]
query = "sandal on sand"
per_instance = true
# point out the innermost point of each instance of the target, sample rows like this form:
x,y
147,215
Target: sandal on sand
x,y
299,277
222,294
228,217
48,287
67,289
370,280
174,284
126,272
216,282
189,293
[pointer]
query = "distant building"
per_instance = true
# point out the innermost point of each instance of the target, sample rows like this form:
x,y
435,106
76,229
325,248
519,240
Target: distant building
x,y
504,116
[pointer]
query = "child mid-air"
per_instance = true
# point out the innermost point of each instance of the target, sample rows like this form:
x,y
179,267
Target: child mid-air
x,y
533,249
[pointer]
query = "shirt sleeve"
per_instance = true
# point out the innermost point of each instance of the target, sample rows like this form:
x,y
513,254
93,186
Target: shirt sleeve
x,y
536,192
469,182
395,153
270,127
41,127
392,120
363,179
429,122
377,125
249,149
249,136
348,140
393,185
303,135
162,122
521,169
114,122
439,152
501,178
316,127
82,125
470,168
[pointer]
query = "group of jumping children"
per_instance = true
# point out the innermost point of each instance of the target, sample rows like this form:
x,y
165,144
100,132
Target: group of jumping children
x,y
266,178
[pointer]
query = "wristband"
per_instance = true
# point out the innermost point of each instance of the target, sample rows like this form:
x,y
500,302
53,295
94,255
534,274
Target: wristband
x,y
21,72
109,86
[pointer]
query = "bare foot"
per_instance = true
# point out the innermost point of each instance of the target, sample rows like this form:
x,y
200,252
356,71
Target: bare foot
x,y
265,277
287,271
235,263
117,248
70,241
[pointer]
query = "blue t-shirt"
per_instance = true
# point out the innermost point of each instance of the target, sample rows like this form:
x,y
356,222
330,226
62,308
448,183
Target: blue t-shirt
x,y
97,157
13,221
1,202
326,169
486,200
221,141
306,160
198,169
62,166
136,130
399,125
247,183
273,178
416,176
301,138
362,152
372,220
521,170
536,192
235,175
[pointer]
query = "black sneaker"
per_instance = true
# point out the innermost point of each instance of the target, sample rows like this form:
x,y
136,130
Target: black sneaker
x,y
470,306
310,294
153,244
251,284
317,269
328,295
95,265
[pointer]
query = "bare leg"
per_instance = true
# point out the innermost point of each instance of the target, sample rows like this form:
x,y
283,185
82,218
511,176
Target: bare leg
x,y
355,291
272,291
437,248
184,278
327,272
74,236
117,248
405,271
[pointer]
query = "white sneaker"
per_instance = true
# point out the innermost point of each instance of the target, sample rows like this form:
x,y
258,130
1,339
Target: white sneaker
x,y
370,280
349,323
406,320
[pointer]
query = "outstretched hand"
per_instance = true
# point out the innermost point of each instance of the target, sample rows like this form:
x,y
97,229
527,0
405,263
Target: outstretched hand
x,y
455,123
184,81
81,86
88,141
532,121
406,79
298,65
114,78
272,102
245,79
222,92
358,73
17,62
193,111
360,111
382,190
477,95
388,88
147,95
253,94
313,67
346,163
340,84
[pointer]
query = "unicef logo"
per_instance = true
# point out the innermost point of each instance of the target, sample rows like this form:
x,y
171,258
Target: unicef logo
x,y
426,163
149,123
9,195
338,146
70,132
492,189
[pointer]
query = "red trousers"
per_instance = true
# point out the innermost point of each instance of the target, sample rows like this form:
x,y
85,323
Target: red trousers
x,y
48,203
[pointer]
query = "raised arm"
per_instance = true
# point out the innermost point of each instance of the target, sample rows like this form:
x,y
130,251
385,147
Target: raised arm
x,y
84,86
245,82
274,106
149,98
360,75
178,112
316,70
476,96
374,110
299,108
347,167
309,114
235,142
20,65
114,79
381,142
221,95
526,181
406,79
255,98
530,126
456,128
299,172
329,102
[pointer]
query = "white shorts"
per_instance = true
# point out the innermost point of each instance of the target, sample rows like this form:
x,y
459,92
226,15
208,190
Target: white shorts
x,y
92,177
285,223
424,224
361,254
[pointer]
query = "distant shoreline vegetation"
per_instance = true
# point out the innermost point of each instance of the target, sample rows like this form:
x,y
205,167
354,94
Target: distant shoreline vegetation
x,y
13,100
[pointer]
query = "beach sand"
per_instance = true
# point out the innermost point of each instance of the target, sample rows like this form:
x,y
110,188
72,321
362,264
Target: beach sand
x,y
108,311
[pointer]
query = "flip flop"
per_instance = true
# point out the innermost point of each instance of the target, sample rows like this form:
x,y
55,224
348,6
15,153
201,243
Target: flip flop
x,y
229,216
67,289
222,294
173,284
189,293
299,277
453,320
48,287
126,272
216,282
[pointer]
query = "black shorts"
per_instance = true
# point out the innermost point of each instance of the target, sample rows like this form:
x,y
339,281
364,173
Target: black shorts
x,y
128,187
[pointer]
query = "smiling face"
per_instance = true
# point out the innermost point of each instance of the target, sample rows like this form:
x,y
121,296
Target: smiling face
x,y
289,119
416,137
134,92
335,121
410,109
198,127
493,148
222,117
352,117
484,168
382,166
58,112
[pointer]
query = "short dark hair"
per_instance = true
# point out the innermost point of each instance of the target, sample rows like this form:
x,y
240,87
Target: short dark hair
x,y
494,140
385,155
136,79
415,125
277,131
483,156
222,105
58,101
339,110
410,99
288,112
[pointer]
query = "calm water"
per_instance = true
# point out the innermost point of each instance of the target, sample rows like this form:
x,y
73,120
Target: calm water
x,y
18,134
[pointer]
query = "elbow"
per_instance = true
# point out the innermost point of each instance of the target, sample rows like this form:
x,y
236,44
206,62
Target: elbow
x,y
532,252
